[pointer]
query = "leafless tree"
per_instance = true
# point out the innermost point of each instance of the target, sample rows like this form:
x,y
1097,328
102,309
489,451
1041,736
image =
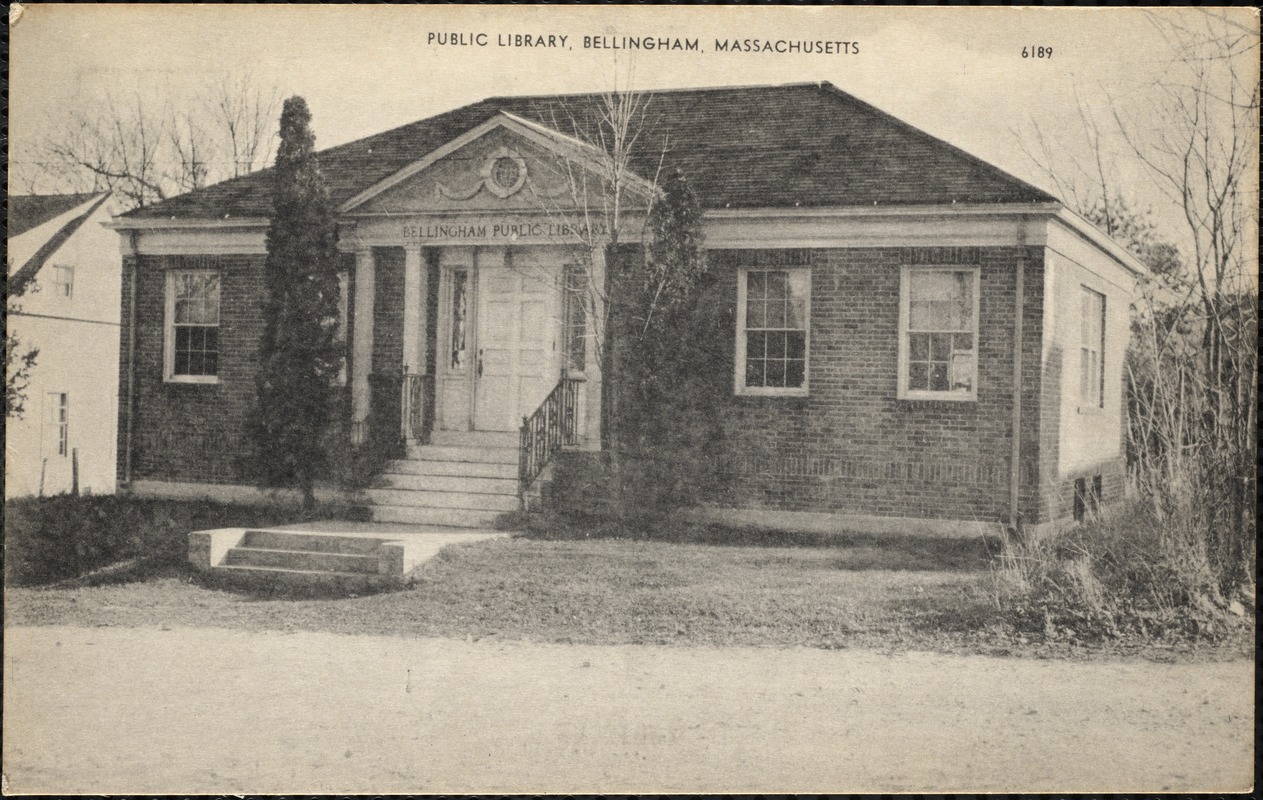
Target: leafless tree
x,y
147,150
602,202
1193,364
1203,155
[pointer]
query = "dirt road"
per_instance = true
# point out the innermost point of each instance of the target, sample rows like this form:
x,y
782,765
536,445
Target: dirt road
x,y
115,710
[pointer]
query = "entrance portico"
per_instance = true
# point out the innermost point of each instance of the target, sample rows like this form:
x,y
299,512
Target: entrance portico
x,y
486,329
493,228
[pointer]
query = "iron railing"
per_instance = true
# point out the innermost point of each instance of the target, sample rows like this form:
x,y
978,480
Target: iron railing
x,y
554,425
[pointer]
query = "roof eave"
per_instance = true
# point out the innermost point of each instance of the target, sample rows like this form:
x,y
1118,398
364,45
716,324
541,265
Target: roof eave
x,y
149,223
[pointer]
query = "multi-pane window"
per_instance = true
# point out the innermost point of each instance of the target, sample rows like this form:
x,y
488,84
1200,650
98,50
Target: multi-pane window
x,y
773,322
939,333
57,423
63,280
574,319
1091,348
193,325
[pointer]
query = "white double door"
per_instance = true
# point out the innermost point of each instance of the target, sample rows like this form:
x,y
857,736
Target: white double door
x,y
498,344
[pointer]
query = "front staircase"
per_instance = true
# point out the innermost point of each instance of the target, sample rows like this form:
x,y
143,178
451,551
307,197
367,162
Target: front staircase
x,y
462,480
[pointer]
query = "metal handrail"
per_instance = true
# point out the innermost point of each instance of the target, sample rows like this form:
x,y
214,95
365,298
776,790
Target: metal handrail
x,y
553,425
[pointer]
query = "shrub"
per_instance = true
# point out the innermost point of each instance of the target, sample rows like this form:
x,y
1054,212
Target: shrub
x,y
1132,573
49,539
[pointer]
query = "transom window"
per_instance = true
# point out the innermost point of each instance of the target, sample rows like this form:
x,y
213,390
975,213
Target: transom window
x,y
773,314
1091,347
938,333
192,326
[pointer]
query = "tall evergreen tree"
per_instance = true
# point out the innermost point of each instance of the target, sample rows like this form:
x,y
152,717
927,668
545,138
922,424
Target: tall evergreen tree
x,y
298,357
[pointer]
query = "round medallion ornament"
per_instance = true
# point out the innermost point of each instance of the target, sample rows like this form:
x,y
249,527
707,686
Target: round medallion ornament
x,y
504,173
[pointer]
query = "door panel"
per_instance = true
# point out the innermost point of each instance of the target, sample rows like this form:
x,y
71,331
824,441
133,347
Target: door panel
x,y
516,345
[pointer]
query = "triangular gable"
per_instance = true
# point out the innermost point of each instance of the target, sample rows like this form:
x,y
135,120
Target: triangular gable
x,y
506,163
58,237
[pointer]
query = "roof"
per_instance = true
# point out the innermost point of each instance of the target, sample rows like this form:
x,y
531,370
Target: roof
x,y
59,237
27,211
796,145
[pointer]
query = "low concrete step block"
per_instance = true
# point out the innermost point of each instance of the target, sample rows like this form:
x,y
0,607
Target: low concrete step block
x,y
298,582
447,517
305,561
455,500
449,483
312,542
208,548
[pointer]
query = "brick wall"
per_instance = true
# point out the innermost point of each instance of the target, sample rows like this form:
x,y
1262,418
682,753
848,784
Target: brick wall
x,y
188,431
851,446
184,431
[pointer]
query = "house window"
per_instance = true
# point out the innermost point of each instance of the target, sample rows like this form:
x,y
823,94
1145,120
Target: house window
x,y
1091,349
773,316
57,423
192,354
63,280
574,320
938,334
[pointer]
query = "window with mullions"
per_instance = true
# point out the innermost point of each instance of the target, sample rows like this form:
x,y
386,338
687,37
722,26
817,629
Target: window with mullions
x,y
938,334
773,312
1091,346
575,320
192,326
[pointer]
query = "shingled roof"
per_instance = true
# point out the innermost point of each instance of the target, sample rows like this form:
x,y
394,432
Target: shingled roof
x,y
797,145
27,211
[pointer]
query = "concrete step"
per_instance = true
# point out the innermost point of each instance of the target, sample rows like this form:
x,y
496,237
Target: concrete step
x,y
310,542
479,455
448,517
300,560
425,499
497,439
466,469
297,581
449,483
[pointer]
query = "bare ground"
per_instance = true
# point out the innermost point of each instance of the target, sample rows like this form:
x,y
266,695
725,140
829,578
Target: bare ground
x,y
149,710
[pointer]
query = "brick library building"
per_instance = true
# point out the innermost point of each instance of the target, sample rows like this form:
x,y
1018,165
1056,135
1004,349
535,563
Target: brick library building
x,y
911,338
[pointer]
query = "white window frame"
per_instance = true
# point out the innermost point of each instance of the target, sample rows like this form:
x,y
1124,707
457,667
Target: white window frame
x,y
64,289
905,297
739,362
168,366
1087,403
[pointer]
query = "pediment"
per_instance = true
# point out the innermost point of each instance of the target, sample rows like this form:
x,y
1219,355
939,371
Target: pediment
x,y
506,164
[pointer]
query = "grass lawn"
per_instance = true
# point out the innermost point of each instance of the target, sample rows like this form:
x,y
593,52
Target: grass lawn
x,y
879,592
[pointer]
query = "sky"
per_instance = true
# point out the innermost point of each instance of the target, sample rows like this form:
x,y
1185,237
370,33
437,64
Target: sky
x,y
957,73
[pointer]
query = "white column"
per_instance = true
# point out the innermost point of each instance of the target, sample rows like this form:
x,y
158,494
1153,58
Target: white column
x,y
591,407
362,337
413,309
